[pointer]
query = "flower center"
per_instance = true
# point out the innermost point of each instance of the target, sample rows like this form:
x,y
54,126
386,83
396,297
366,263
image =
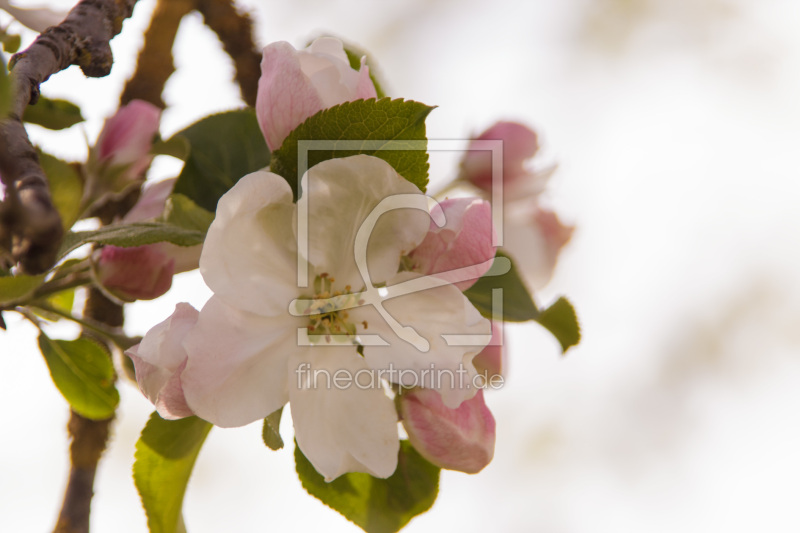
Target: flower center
x,y
327,312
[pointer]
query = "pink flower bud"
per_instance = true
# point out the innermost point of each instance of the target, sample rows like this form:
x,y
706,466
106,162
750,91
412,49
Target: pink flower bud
x,y
150,206
295,85
535,237
465,241
136,273
160,359
489,363
520,143
127,137
457,439
151,202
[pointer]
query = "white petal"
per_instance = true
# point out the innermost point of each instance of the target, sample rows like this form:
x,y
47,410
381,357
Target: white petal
x,y
431,313
341,194
236,372
344,428
249,257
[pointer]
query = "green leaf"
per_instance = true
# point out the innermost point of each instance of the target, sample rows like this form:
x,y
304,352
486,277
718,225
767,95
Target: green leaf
x,y
11,42
182,212
62,301
518,305
136,234
376,505
53,114
13,288
83,373
271,430
66,187
164,459
224,148
560,320
380,128
177,146
354,55
5,88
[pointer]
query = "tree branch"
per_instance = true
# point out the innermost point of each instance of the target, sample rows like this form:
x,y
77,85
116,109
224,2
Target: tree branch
x,y
31,224
89,437
235,30
154,64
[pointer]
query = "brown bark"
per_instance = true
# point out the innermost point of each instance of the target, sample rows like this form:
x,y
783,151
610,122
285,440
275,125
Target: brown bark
x,y
31,224
235,30
155,64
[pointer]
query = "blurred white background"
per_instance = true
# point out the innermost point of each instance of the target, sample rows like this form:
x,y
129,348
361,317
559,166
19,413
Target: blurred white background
x,y
675,125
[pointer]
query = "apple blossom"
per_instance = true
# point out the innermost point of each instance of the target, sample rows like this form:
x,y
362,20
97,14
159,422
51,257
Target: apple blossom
x,y
465,240
160,359
126,138
296,84
532,235
255,347
457,439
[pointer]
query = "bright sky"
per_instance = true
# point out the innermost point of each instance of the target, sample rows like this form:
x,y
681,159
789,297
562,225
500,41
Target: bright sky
x,y
674,124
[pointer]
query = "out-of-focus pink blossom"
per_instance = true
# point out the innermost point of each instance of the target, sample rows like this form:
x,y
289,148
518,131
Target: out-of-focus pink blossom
x,y
160,359
295,85
520,143
535,236
532,235
135,273
126,138
465,241
456,439
489,363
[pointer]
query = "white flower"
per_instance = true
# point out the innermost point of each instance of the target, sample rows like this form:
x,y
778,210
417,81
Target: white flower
x,y
246,354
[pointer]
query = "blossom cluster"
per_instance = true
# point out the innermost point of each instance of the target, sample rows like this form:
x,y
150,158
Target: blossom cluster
x,y
361,274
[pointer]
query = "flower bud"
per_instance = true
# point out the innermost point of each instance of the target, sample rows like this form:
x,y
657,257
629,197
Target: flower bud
x,y
520,143
465,241
160,359
151,206
127,137
456,439
135,273
489,363
295,85
535,237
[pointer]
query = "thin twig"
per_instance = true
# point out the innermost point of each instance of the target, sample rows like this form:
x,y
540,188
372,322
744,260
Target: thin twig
x,y
29,218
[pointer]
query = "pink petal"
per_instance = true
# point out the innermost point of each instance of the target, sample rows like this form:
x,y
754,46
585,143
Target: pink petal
x,y
465,241
535,237
489,363
286,96
236,372
520,143
160,359
127,137
456,439
152,201
365,88
135,273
